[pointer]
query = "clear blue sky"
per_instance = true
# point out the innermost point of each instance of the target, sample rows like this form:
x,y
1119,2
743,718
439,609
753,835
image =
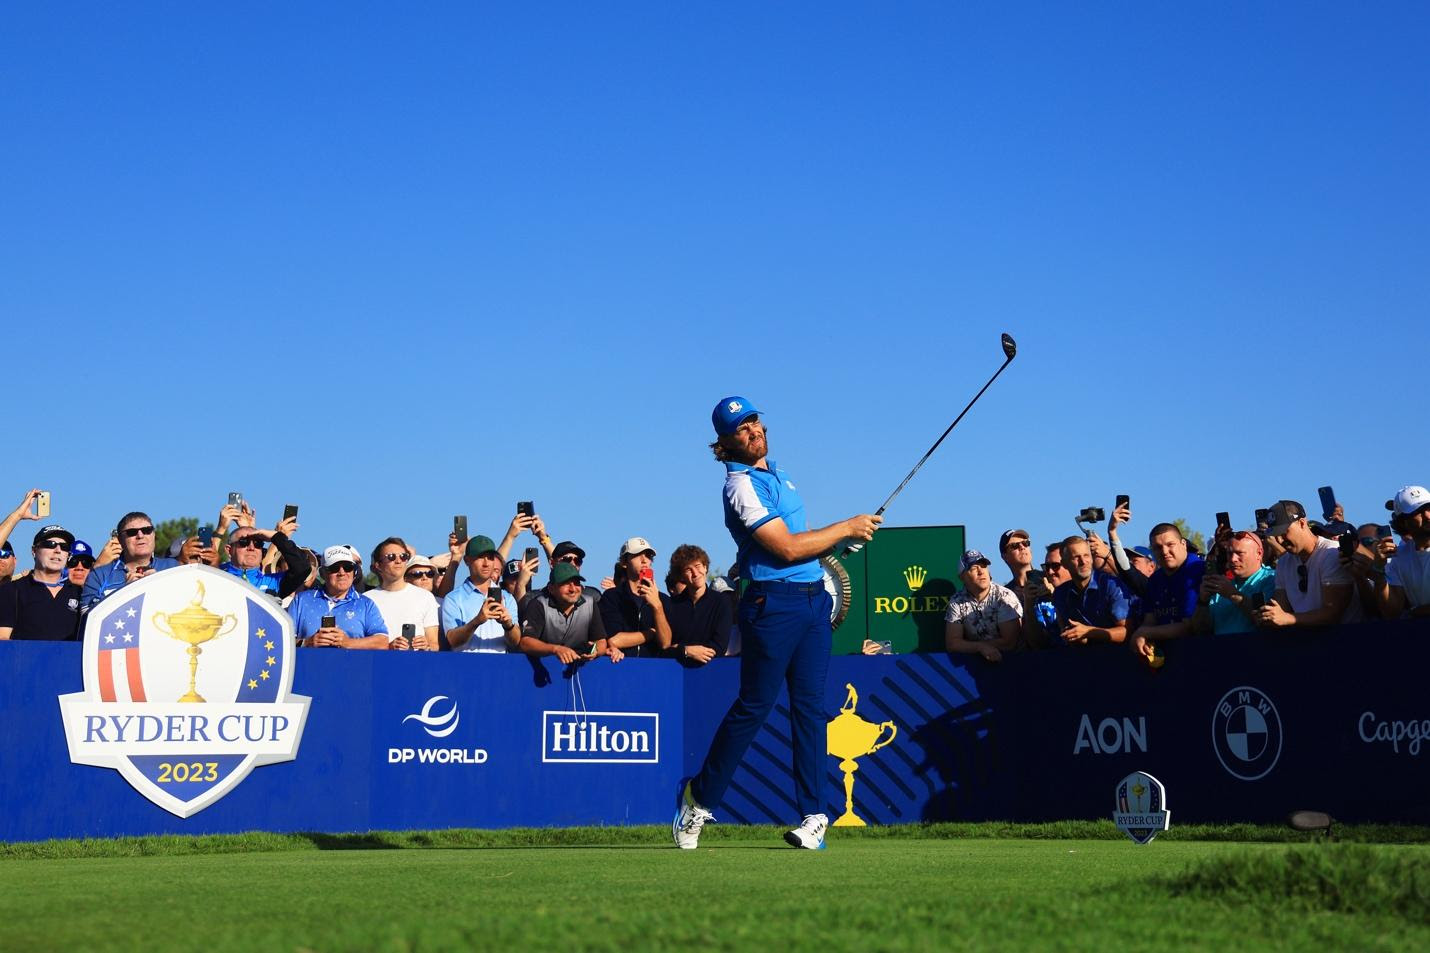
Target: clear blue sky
x,y
517,251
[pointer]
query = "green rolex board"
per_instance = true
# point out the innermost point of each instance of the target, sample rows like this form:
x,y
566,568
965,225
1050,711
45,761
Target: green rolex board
x,y
899,587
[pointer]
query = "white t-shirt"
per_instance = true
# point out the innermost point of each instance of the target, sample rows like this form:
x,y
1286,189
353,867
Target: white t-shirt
x,y
1409,569
410,604
1323,568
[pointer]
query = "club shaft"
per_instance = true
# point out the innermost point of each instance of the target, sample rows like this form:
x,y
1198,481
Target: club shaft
x,y
922,460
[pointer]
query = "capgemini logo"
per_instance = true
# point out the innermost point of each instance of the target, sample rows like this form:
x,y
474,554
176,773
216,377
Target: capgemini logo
x,y
438,726
915,576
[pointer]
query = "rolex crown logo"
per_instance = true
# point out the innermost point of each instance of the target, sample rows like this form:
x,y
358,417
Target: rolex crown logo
x,y
915,576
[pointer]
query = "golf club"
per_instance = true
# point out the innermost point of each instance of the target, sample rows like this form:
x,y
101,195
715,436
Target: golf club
x,y
1010,349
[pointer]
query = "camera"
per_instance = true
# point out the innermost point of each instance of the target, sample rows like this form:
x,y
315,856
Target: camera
x,y
1090,514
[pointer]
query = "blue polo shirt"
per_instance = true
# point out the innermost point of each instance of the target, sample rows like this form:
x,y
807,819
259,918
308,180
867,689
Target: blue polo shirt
x,y
753,497
355,613
1101,605
461,606
1173,598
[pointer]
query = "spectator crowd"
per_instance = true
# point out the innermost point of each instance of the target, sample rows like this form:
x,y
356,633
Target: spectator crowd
x,y
1286,571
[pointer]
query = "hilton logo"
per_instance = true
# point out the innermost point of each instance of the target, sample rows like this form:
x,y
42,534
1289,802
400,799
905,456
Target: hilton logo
x,y
600,737
914,578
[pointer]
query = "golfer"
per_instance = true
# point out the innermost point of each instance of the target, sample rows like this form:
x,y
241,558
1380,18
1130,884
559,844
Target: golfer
x,y
784,625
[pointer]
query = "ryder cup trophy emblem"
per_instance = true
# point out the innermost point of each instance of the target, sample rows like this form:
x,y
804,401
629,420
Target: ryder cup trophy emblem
x,y
141,711
1141,807
852,737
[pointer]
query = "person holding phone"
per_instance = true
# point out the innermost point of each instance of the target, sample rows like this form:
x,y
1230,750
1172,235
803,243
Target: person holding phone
x,y
246,547
1312,587
400,602
336,615
561,619
43,605
1400,586
1172,591
784,619
1227,606
135,533
27,510
478,615
635,612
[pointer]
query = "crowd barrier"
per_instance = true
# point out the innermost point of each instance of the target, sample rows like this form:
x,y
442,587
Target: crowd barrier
x,y
1243,728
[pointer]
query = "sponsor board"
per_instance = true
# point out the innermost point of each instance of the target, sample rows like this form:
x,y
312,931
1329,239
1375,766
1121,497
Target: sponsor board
x,y
1394,732
187,678
600,737
1111,736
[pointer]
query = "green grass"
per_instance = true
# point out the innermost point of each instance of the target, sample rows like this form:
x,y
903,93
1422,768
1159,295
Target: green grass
x,y
930,887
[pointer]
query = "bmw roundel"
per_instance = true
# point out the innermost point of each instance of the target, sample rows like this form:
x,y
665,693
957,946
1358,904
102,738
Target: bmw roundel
x,y
1246,733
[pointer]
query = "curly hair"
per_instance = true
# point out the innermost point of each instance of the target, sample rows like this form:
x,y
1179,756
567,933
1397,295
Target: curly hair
x,y
685,555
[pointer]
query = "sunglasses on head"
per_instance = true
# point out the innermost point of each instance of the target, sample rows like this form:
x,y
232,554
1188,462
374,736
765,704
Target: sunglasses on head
x,y
344,566
134,531
420,574
394,557
1302,577
78,562
255,541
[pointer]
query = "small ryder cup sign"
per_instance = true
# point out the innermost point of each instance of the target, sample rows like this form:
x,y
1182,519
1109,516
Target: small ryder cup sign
x,y
1141,807
186,687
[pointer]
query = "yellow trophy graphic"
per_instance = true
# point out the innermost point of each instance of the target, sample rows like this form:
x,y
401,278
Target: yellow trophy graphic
x,y
852,737
194,625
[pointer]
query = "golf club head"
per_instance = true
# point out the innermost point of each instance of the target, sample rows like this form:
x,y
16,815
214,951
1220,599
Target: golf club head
x,y
1010,346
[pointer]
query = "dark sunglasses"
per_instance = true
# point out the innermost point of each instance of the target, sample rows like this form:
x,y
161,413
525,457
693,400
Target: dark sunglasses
x,y
254,541
134,531
1017,544
571,558
1052,567
420,574
77,562
1302,578
53,544
343,566
394,557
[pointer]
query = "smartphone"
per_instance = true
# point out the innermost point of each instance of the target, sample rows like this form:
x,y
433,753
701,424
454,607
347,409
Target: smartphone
x,y
1263,518
525,508
1382,532
1328,502
1258,601
648,574
1035,579
1223,520
1124,500
235,499
290,511
206,536
459,526
330,622
42,504
114,534
409,631
1348,543
532,553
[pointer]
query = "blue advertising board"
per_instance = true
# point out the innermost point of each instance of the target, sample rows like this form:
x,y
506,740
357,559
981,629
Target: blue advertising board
x,y
1243,728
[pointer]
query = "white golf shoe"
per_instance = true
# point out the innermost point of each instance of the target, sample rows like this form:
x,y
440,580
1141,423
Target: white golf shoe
x,y
689,819
810,833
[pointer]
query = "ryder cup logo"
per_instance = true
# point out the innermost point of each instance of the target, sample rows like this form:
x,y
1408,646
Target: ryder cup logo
x,y
1141,809
186,687
1246,733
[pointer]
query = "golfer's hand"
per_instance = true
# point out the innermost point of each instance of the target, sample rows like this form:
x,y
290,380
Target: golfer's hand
x,y
862,526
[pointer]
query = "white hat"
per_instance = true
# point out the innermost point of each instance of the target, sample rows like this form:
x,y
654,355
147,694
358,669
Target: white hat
x,y
420,560
337,554
637,544
1410,499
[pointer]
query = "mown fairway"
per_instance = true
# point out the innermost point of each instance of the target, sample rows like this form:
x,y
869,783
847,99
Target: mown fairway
x,y
744,891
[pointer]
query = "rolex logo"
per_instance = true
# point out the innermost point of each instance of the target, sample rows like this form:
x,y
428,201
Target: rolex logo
x,y
915,576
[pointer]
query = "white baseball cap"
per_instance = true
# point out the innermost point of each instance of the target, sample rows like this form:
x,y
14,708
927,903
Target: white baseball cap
x,y
637,544
1410,499
337,554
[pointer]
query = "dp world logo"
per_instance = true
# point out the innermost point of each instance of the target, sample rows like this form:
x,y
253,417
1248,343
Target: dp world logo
x,y
438,726
186,687
1246,733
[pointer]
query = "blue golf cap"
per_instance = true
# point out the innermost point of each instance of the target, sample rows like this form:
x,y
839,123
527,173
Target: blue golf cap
x,y
1142,551
81,548
730,413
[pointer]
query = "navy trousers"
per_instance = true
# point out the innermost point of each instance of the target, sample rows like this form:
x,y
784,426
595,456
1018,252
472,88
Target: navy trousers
x,y
785,634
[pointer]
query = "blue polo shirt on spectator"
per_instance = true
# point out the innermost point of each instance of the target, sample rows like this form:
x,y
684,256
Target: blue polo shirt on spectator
x,y
356,614
1227,617
753,497
1173,598
461,606
1101,605
112,577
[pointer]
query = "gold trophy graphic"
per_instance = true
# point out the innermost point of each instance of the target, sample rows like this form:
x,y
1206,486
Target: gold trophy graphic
x,y
194,625
852,737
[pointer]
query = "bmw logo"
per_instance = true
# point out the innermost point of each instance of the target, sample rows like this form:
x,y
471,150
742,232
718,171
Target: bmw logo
x,y
1246,733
